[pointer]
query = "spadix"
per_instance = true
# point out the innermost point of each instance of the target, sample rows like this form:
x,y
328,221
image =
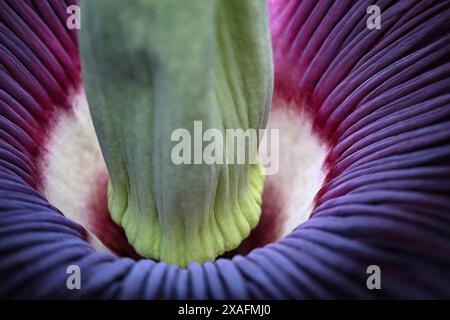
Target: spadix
x,y
152,67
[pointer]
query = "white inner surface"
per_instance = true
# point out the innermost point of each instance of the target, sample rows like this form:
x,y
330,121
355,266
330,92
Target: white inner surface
x,y
301,159
72,164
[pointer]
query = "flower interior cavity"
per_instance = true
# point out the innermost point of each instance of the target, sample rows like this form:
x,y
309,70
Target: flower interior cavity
x,y
87,181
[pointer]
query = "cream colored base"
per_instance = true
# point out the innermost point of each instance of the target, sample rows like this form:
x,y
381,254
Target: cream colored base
x,y
74,161
72,164
301,159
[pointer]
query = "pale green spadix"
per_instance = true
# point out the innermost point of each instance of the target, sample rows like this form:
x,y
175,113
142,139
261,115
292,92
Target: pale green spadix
x,y
151,67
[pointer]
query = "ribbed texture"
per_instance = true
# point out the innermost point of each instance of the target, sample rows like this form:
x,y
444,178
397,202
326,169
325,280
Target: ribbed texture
x,y
39,68
381,100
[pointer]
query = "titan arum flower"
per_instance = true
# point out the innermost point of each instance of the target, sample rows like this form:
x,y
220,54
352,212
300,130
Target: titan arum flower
x,y
86,177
